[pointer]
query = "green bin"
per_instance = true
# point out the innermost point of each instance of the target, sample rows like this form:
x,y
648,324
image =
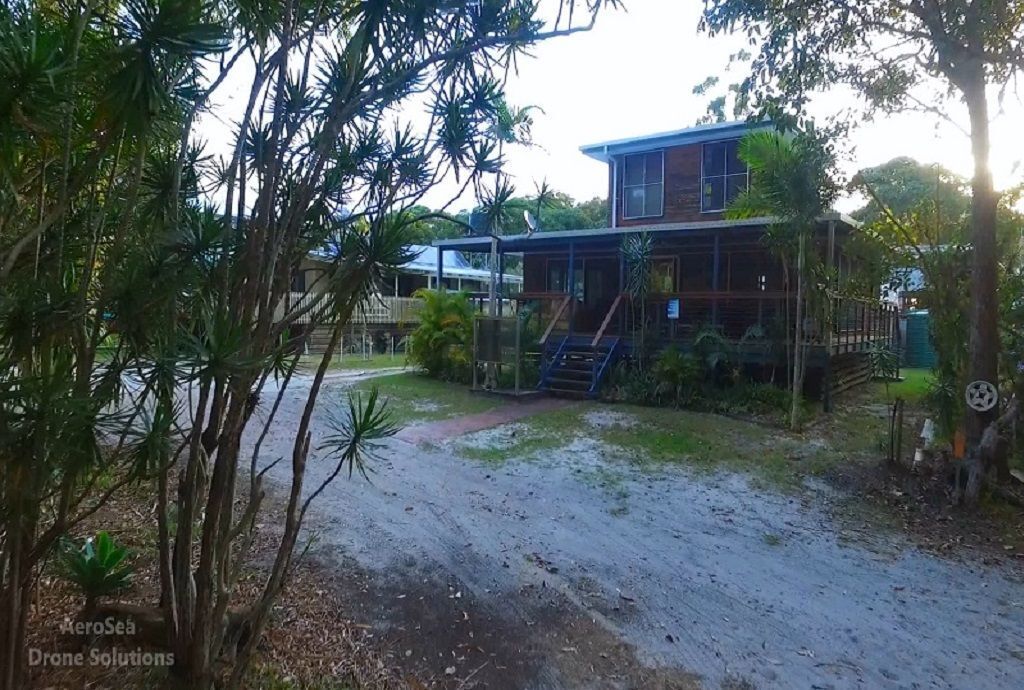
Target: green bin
x,y
918,351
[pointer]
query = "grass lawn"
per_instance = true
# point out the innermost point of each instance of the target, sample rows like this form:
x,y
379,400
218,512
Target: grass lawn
x,y
652,437
548,431
913,388
860,423
657,436
413,397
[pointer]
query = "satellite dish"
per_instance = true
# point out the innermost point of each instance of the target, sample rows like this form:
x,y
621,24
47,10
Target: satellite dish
x,y
531,223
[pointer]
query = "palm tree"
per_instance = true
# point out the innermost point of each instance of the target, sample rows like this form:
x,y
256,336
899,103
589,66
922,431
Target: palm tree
x,y
791,182
545,198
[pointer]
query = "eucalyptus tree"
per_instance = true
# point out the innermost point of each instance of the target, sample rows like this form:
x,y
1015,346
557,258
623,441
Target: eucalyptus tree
x,y
792,182
109,237
898,55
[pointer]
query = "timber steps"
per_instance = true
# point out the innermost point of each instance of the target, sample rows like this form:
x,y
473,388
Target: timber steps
x,y
575,368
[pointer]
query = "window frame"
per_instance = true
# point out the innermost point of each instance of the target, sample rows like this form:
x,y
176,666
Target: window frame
x,y
724,176
671,259
643,185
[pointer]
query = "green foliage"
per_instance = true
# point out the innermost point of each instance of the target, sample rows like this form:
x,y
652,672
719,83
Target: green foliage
x,y
98,568
793,181
885,361
554,210
356,436
947,298
637,250
801,48
677,374
903,186
792,178
714,350
628,382
110,239
442,341
684,379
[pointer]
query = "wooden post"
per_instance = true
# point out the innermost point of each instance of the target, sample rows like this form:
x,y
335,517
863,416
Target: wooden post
x,y
622,289
440,269
501,280
475,338
571,282
830,317
714,278
518,352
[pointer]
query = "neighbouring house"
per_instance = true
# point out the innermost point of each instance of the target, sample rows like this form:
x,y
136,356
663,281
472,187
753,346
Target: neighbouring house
x,y
393,310
706,272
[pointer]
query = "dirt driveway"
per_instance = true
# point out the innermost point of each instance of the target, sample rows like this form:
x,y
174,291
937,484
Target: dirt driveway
x,y
573,570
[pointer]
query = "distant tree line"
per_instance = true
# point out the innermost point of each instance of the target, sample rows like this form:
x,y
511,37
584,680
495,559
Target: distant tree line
x,y
556,211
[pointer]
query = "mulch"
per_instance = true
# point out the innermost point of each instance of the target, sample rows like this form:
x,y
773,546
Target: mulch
x,y
308,643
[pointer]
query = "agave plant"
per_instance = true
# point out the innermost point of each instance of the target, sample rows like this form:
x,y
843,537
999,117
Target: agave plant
x,y
98,567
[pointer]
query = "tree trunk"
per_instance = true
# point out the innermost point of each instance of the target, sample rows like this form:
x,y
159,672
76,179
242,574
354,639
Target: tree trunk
x,y
798,336
984,315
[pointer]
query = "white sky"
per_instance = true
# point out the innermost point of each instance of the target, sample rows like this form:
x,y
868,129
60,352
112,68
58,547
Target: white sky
x,y
633,74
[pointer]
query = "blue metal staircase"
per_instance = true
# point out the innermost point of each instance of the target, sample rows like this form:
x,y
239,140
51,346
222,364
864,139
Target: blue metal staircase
x,y
574,366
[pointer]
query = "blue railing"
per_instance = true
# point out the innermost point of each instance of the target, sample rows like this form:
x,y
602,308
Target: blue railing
x,y
601,367
548,363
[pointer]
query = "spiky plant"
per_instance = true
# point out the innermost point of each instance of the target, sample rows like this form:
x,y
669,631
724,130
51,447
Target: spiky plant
x,y
98,568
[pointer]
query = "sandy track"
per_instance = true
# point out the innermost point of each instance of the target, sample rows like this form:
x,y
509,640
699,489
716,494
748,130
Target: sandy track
x,y
562,588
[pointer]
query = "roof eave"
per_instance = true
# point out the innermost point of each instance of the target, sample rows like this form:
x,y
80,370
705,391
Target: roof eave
x,y
605,150
484,243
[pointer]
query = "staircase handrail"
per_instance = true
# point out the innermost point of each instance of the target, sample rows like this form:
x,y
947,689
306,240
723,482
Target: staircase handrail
x,y
554,319
607,319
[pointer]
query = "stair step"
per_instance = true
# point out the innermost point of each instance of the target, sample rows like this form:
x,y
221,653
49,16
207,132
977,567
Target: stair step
x,y
575,362
571,373
570,383
564,392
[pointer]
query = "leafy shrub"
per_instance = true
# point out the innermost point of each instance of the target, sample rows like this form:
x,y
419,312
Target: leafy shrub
x,y
628,382
713,349
885,361
98,567
677,374
442,341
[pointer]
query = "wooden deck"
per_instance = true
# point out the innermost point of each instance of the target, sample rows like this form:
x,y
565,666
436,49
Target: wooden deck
x,y
757,326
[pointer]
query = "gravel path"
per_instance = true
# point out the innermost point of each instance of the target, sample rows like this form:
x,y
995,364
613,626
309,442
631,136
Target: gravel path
x,y
583,571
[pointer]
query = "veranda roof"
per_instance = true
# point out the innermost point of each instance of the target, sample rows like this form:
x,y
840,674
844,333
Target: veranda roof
x,y
613,236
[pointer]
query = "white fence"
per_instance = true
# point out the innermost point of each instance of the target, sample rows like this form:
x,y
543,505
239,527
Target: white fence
x,y
378,309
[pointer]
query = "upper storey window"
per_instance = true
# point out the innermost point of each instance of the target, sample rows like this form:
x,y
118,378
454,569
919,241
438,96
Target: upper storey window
x,y
643,185
724,175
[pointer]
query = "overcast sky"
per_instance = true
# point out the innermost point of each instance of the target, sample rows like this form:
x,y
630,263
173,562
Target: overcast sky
x,y
634,74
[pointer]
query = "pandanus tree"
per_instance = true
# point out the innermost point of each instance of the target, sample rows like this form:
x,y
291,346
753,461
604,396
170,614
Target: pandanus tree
x,y
792,183
143,280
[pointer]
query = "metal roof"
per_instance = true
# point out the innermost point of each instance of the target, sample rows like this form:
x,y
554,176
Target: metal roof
x,y
603,151
538,240
455,264
424,262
